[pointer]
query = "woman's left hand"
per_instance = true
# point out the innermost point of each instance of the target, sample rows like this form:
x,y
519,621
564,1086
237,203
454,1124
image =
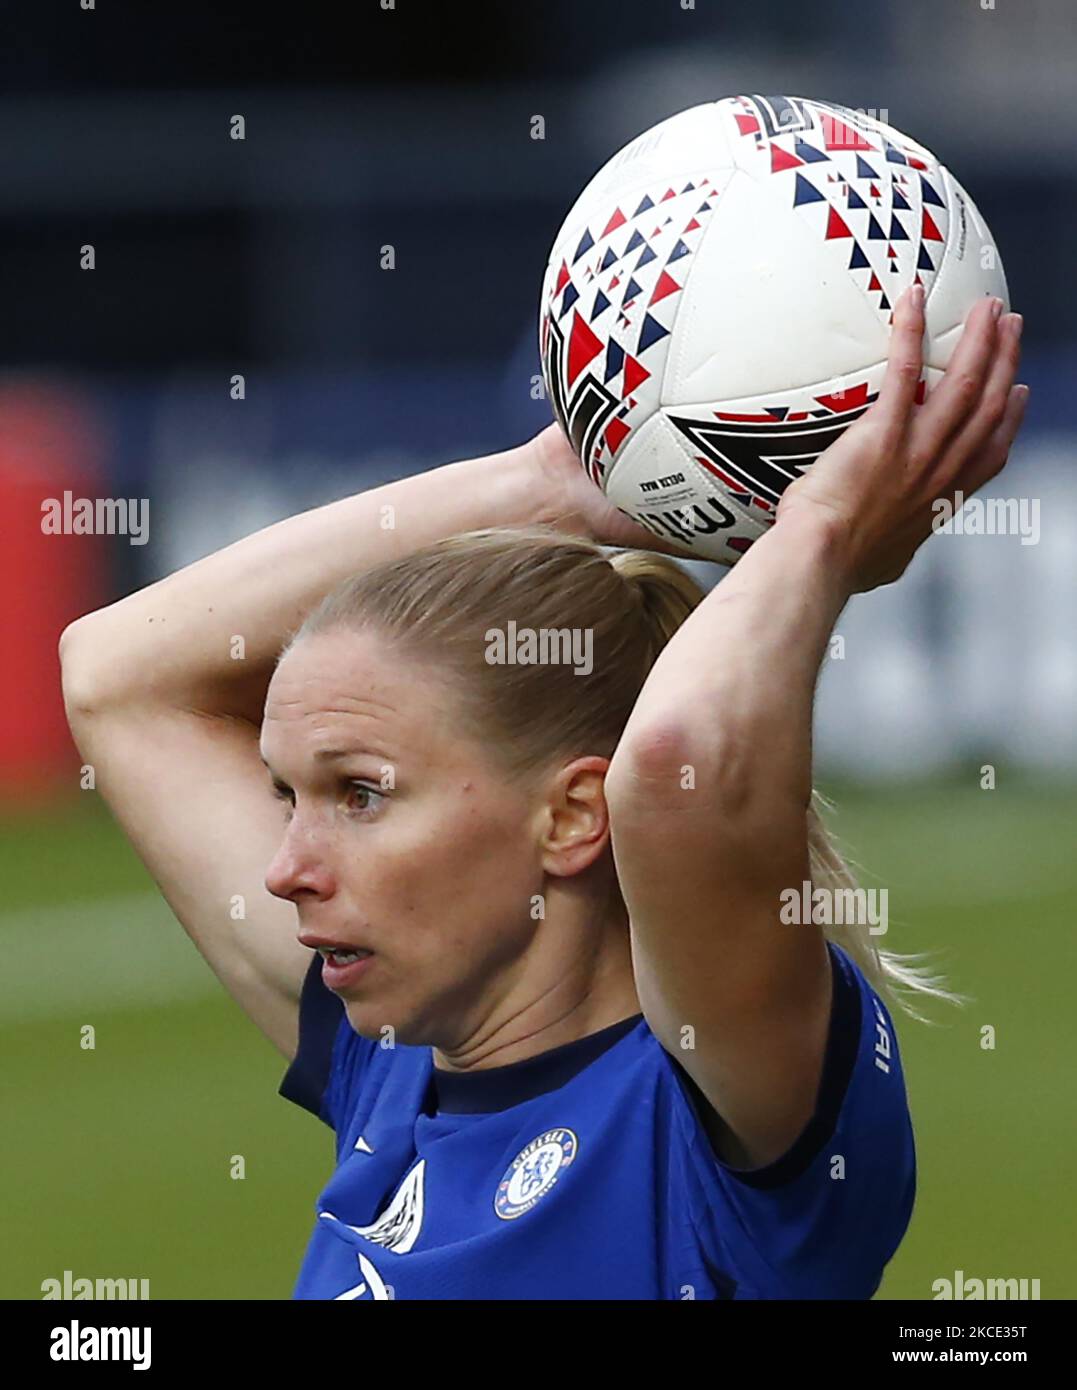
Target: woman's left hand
x,y
875,487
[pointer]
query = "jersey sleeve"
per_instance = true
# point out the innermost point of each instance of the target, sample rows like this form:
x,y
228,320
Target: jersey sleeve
x,y
823,1220
330,1057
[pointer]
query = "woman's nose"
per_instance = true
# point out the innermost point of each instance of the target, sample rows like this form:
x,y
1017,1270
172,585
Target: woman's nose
x,y
299,865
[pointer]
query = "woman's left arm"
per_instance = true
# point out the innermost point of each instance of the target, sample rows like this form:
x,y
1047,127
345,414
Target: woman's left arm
x,y
710,785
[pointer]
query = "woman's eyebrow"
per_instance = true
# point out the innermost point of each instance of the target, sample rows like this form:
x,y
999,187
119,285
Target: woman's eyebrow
x,y
332,754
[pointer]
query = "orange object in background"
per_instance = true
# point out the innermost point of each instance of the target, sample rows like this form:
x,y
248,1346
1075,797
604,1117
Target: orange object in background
x,y
51,441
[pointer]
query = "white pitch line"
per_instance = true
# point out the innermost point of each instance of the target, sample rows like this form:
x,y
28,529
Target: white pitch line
x,y
106,953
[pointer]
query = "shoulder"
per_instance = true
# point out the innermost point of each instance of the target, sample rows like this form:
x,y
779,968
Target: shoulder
x,y
861,1088
824,1218
829,1213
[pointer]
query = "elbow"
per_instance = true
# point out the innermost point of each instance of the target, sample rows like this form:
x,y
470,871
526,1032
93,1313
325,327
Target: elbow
x,y
707,792
79,655
673,764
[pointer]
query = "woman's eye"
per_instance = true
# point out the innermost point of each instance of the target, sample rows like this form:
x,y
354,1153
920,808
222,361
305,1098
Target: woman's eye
x,y
361,797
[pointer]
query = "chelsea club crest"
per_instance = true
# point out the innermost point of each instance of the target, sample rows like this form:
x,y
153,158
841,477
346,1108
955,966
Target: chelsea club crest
x,y
534,1171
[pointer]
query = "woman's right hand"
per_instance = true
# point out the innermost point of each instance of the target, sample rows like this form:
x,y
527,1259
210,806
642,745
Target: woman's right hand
x,y
578,504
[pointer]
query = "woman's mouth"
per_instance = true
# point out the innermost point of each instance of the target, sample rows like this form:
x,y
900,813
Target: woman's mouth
x,y
342,957
343,968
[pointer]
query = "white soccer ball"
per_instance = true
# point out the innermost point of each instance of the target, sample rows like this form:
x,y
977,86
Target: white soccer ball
x,y
717,305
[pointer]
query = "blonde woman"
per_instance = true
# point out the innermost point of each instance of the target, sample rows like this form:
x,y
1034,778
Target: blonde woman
x,y
516,925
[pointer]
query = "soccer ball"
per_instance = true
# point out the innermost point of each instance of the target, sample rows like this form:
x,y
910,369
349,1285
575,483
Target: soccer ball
x,y
717,305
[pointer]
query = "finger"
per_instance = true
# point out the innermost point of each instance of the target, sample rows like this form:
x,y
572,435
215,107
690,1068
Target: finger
x,y
992,457
904,363
956,395
969,441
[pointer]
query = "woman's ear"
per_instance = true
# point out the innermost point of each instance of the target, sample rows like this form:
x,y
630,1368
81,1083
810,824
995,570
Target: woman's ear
x,y
576,818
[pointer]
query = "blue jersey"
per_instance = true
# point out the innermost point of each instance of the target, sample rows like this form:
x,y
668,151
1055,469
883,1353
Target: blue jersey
x,y
586,1172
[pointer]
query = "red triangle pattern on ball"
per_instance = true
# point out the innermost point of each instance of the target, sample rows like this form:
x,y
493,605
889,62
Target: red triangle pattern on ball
x,y
849,180
647,266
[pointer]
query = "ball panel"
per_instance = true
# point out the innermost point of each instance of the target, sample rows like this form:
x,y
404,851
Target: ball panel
x,y
681,148
868,192
970,267
766,299
658,480
609,313
740,455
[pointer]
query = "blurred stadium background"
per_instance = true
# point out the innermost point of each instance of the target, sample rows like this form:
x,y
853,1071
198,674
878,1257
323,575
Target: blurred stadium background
x,y
216,257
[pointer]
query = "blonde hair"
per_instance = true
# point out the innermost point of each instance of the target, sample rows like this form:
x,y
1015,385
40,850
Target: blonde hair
x,y
442,602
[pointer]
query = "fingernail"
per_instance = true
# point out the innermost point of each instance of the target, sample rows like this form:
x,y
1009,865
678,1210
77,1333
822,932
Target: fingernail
x,y
917,296
996,308
1017,323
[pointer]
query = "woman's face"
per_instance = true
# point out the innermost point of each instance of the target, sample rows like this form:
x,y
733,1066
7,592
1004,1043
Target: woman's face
x,y
399,837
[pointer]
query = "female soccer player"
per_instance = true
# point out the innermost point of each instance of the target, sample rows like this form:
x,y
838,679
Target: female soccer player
x,y
567,1045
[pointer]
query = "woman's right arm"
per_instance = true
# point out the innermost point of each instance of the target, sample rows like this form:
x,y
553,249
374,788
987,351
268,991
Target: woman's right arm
x,y
168,715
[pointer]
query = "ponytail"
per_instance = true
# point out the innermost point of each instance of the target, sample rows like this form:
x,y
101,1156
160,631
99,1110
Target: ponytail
x,y
665,592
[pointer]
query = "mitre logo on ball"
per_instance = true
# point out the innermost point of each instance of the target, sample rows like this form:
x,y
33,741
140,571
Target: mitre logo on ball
x,y
717,305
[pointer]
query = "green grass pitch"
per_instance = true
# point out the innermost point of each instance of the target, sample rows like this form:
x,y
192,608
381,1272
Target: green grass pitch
x,y
117,1161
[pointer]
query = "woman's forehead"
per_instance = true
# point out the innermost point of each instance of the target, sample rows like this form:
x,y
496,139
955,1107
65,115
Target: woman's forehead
x,y
338,668
327,689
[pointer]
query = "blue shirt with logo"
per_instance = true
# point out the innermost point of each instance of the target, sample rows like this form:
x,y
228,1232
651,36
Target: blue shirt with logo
x,y
586,1172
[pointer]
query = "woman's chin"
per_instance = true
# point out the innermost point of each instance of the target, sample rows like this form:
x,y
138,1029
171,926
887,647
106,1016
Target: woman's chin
x,y
370,1021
